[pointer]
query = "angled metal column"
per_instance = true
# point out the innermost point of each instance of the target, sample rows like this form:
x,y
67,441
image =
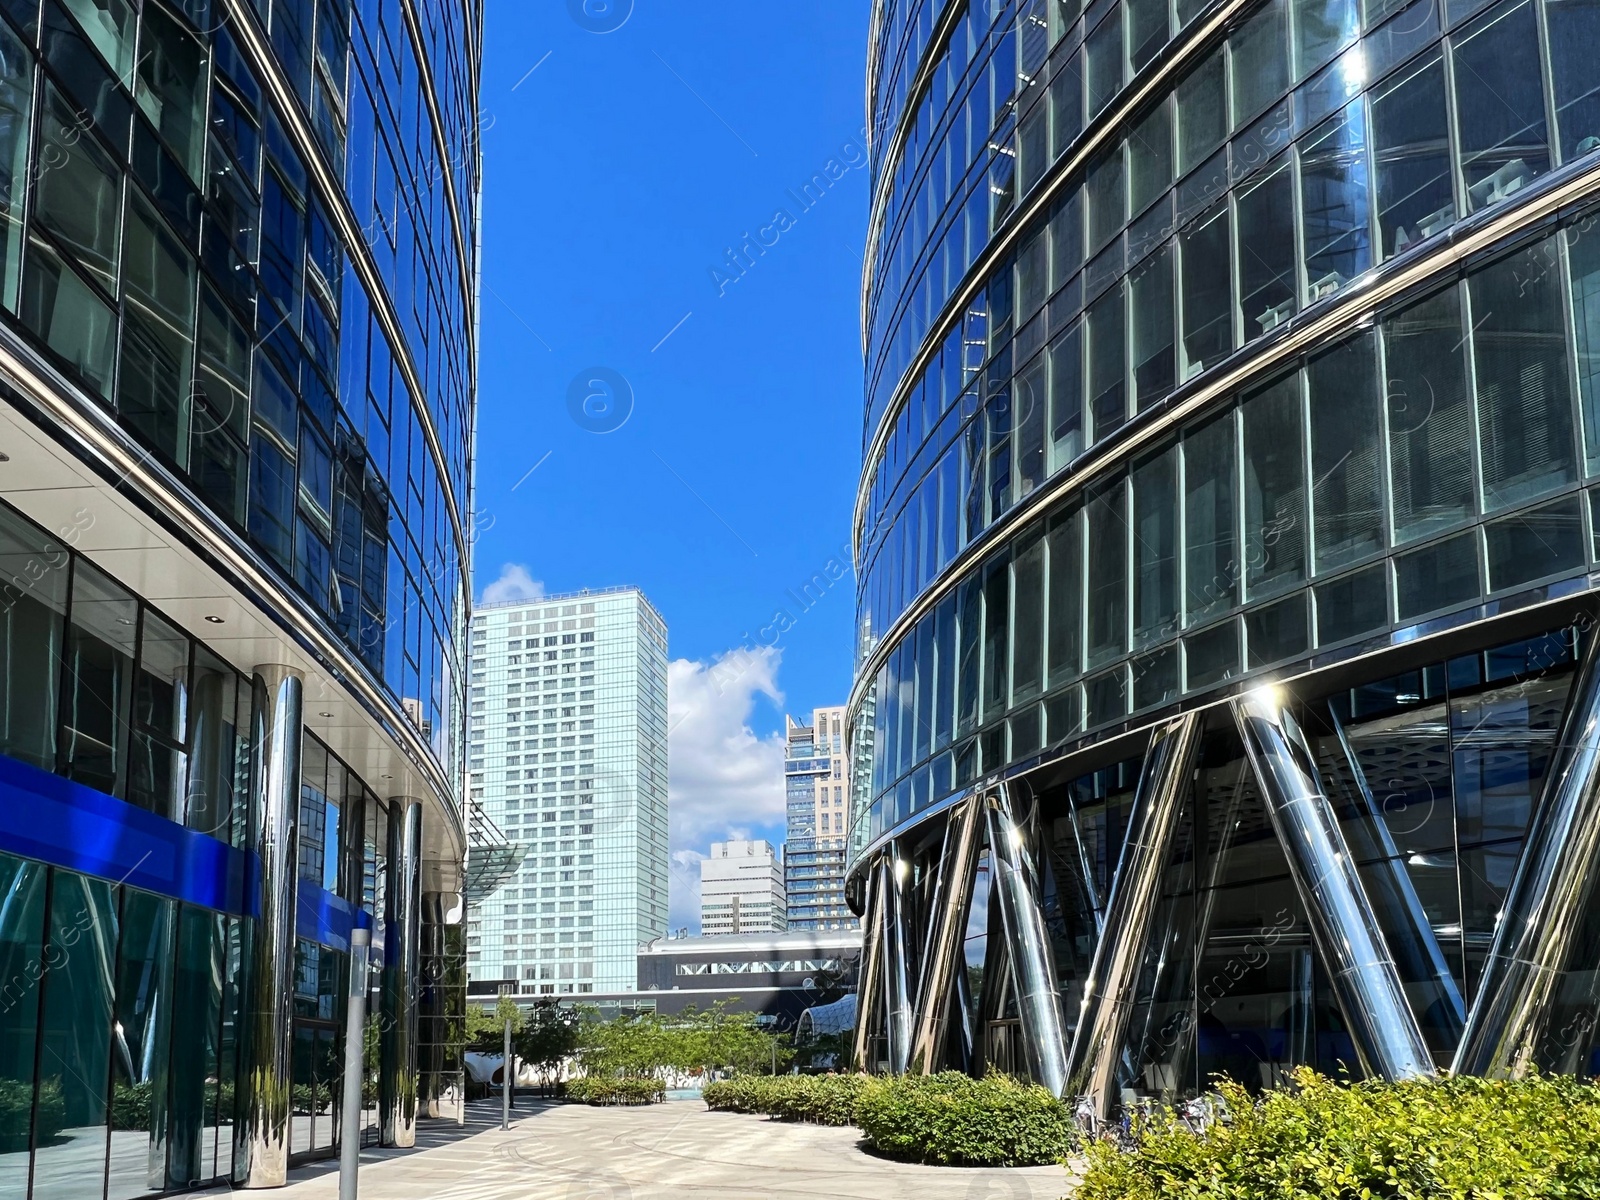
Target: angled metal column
x,y
263,1136
869,974
1033,966
1135,891
1543,910
401,959
1414,944
942,958
895,955
1343,925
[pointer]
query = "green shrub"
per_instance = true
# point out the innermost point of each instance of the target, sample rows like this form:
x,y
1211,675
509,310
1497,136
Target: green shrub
x,y
954,1120
625,1089
1321,1140
16,1105
815,1099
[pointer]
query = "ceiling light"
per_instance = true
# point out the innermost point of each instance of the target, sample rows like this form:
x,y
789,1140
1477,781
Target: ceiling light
x,y
324,714
214,619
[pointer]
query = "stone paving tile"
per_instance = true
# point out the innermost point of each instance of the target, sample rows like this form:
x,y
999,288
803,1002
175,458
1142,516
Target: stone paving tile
x,y
677,1150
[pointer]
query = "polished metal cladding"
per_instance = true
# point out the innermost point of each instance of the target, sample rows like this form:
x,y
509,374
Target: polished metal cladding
x,y
263,1134
1108,995
1019,899
895,956
941,956
402,940
1411,938
1543,911
869,982
1343,925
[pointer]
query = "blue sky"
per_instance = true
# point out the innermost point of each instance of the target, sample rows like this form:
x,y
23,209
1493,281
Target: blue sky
x,y
619,169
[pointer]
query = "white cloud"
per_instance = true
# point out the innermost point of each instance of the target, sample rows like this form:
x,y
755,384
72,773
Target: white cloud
x,y
514,584
683,910
724,780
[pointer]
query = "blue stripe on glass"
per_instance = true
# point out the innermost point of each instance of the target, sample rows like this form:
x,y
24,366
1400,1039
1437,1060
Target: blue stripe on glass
x,y
66,824
322,917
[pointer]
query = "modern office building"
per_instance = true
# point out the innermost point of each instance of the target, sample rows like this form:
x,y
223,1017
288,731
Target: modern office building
x,y
816,781
234,478
1225,541
741,889
568,755
777,975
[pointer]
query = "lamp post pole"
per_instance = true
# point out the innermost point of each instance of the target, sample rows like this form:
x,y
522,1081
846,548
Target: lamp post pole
x,y
354,1064
505,1081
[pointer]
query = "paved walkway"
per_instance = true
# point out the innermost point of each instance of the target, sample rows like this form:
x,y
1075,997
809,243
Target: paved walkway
x,y
676,1150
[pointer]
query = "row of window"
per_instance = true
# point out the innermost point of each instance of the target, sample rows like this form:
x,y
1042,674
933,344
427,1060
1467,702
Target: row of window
x,y
1368,179
1410,471
1296,225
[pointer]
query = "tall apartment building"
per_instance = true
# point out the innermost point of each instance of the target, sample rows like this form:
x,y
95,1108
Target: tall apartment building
x,y
817,801
741,889
568,755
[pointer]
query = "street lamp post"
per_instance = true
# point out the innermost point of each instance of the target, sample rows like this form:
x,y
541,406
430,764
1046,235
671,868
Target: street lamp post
x,y
354,1064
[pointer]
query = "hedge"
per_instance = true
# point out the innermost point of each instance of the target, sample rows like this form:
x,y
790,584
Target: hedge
x,y
1321,1140
949,1119
815,1099
628,1089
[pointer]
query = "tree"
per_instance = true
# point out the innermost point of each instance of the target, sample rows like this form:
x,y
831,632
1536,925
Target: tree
x,y
548,1038
486,1027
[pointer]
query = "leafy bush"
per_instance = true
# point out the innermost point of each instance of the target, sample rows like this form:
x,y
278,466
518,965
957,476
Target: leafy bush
x,y
1322,1140
16,1104
816,1099
951,1119
626,1089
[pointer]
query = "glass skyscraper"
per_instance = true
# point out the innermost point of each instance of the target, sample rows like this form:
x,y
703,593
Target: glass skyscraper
x,y
569,757
1225,540
816,781
237,343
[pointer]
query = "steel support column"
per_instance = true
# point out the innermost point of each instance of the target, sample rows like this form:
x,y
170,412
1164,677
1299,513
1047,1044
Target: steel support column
x,y
263,1135
1135,892
1414,945
1033,966
1544,908
895,955
941,956
869,977
401,959
1343,925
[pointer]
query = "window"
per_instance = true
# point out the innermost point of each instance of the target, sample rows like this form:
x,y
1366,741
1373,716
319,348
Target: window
x,y
1274,498
1574,27
1266,253
1499,97
1202,112
1525,434
1411,155
1211,538
1155,547
1333,203
1205,292
1430,417
1346,453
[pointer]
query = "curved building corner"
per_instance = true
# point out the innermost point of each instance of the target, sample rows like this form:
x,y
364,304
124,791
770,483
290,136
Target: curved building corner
x,y
235,450
1227,677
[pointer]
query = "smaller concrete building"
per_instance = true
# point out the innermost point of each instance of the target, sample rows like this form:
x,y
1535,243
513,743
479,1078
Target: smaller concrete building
x,y
741,889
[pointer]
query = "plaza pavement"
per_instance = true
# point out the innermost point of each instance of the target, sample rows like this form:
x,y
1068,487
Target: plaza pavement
x,y
676,1150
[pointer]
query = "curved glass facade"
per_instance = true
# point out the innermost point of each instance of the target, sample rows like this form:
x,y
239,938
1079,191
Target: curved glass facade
x,y
237,340
1213,348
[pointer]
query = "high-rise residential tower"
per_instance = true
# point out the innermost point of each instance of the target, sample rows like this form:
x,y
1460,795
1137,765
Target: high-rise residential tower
x,y
816,778
741,889
1226,540
568,755
238,351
